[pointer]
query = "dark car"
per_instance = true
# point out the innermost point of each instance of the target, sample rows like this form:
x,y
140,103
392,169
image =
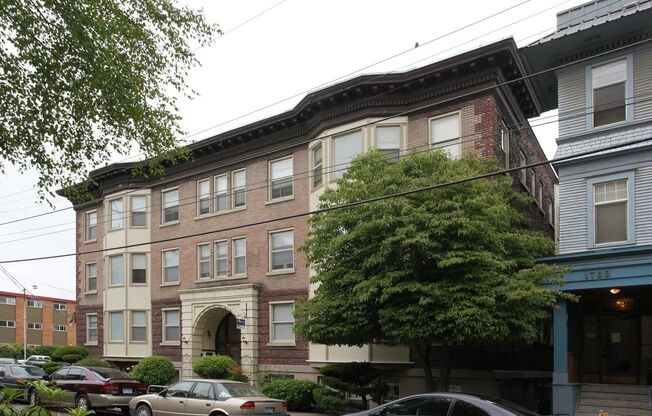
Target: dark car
x,y
16,376
97,387
448,404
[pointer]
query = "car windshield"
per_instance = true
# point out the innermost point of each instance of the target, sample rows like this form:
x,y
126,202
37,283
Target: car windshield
x,y
104,374
26,371
237,390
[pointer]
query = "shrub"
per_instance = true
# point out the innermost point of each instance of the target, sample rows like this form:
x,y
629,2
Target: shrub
x,y
214,366
327,401
93,362
154,370
71,358
42,350
238,375
297,393
14,351
60,352
51,367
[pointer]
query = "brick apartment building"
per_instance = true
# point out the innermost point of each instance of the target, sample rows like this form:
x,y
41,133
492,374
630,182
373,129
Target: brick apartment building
x,y
50,321
182,296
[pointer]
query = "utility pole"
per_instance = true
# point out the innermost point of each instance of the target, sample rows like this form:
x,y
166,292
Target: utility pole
x,y
24,323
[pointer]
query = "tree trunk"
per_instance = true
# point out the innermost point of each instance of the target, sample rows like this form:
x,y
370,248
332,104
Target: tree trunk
x,y
424,354
446,367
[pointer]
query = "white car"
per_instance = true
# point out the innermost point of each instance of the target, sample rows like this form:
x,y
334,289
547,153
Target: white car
x,y
37,360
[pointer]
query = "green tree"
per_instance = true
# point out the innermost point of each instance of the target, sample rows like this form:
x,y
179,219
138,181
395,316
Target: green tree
x,y
356,378
154,369
82,80
452,265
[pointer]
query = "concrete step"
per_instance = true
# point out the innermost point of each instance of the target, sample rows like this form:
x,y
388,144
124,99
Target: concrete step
x,y
613,396
614,388
614,403
614,411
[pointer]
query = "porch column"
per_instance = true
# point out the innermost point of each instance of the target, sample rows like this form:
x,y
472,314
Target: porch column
x,y
564,395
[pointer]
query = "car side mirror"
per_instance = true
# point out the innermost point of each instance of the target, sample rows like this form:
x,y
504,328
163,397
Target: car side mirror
x,y
163,393
46,377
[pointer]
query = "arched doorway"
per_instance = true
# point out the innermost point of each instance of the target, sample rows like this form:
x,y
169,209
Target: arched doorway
x,y
227,338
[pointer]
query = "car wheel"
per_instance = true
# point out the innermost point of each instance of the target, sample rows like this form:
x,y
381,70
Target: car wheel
x,y
82,402
31,397
143,410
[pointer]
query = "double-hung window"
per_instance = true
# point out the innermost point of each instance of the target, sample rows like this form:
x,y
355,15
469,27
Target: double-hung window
x,y
388,142
59,306
533,182
91,328
551,212
170,200
611,211
117,213
239,188
203,197
116,264
7,324
522,173
609,91
116,326
138,211
445,134
282,322
59,328
280,172
32,303
317,171
37,326
138,326
221,193
139,268
239,256
203,261
281,246
7,300
171,331
221,259
91,277
345,148
91,226
171,266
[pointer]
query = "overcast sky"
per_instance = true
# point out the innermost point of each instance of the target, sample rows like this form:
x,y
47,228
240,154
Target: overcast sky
x,y
293,47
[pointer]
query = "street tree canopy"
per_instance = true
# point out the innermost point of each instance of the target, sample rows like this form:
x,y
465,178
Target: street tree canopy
x,y
453,265
84,80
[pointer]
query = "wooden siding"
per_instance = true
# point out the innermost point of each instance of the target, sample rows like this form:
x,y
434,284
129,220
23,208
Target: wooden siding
x,y
643,85
572,102
573,216
644,205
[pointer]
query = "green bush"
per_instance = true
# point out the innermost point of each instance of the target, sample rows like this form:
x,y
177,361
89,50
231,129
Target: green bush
x,y
297,393
214,366
60,352
154,370
14,351
42,350
93,362
51,367
71,358
328,401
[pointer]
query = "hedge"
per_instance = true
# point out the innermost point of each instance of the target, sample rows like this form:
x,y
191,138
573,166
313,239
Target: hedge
x,y
214,366
296,393
93,362
154,370
59,353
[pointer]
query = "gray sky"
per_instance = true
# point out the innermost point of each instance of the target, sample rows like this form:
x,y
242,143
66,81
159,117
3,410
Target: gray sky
x,y
293,47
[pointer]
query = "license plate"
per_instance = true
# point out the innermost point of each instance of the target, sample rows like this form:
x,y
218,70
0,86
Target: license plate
x,y
127,390
269,410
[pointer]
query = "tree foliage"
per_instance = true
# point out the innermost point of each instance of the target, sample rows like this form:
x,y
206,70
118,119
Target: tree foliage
x,y
453,265
82,80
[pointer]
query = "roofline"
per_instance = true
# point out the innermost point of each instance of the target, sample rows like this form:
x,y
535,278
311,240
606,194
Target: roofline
x,y
20,295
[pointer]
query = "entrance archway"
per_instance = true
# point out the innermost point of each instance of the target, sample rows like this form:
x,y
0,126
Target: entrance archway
x,y
217,332
227,338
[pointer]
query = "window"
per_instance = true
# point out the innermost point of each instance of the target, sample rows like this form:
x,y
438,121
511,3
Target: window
x,y
116,264
280,172
281,250
91,226
504,141
540,195
171,266
171,331
282,322
139,268
117,213
203,390
388,141
610,200
203,261
317,157
221,193
31,303
7,300
35,325
59,328
533,182
239,188
221,259
445,134
91,277
203,197
138,326
138,211
181,389
522,173
551,212
7,324
609,84
170,205
116,326
59,306
91,328
239,256
345,148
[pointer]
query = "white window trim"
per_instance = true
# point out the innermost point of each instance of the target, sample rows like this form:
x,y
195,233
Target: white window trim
x,y
215,193
438,146
13,324
131,211
198,199
86,275
163,282
332,169
402,127
269,181
163,326
131,328
269,252
109,283
55,326
131,269
631,209
551,212
522,173
215,275
163,192
34,301
9,302
273,342
110,227
86,231
629,93
36,326
65,306
110,326
232,189
233,240
97,333
198,262
311,162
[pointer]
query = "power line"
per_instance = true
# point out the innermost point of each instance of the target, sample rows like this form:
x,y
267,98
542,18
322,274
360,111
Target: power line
x,y
236,27
341,206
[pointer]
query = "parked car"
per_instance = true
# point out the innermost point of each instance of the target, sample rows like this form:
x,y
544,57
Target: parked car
x,y
16,376
7,361
443,404
96,387
204,397
37,360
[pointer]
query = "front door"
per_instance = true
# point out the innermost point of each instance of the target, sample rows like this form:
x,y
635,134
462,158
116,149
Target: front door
x,y
619,357
227,338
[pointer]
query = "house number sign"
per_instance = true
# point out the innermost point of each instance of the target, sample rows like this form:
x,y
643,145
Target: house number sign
x,y
597,274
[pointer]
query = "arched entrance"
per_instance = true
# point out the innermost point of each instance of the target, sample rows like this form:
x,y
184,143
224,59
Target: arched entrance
x,y
227,338
216,327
